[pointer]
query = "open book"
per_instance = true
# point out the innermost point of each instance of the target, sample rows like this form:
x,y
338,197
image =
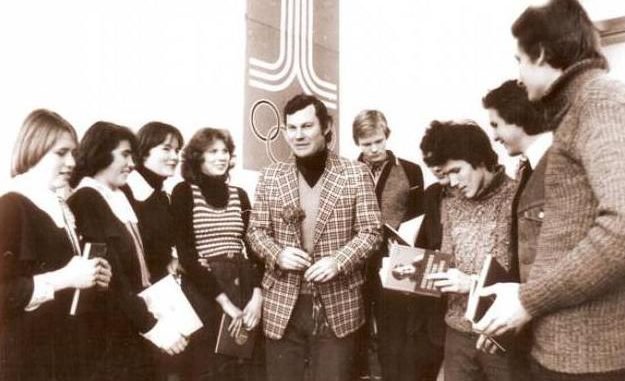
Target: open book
x,y
492,272
165,299
406,269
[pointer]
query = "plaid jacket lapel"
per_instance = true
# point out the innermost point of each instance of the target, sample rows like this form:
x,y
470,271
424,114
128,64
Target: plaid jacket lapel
x,y
333,182
289,189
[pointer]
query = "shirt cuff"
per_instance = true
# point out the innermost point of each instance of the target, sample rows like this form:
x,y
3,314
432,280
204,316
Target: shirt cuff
x,y
42,292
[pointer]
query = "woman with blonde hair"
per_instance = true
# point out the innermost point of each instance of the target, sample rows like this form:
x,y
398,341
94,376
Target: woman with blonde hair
x,y
40,261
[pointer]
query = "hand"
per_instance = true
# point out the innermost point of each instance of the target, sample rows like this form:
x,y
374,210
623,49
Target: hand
x,y
81,273
453,280
165,336
487,345
177,346
322,271
291,258
104,272
233,311
506,314
253,310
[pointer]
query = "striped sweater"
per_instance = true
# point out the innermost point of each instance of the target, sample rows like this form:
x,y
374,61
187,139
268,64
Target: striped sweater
x,y
217,231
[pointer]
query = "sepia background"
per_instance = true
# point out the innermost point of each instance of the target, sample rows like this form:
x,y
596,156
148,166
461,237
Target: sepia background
x,y
183,62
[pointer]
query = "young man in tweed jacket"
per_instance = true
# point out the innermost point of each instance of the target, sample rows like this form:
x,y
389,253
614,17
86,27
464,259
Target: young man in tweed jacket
x,y
575,292
315,221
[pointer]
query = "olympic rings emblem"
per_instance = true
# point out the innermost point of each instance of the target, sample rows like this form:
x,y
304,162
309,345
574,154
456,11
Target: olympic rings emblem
x,y
274,130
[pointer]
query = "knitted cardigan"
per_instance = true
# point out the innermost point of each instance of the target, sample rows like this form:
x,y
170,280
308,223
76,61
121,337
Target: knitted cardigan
x,y
576,287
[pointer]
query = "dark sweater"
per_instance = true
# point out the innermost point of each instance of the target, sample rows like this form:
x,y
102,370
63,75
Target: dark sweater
x,y
156,225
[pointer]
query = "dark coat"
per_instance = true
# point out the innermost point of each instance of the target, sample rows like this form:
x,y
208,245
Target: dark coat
x,y
34,345
120,315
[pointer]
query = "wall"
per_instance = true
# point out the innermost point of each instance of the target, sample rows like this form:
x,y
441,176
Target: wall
x,y
183,63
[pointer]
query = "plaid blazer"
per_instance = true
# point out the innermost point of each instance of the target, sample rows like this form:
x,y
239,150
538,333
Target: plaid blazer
x,y
348,228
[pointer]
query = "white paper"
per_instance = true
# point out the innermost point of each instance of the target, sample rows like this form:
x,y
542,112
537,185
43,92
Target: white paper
x,y
165,299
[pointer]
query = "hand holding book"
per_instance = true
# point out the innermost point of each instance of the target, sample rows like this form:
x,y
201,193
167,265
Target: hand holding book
x,y
505,314
452,280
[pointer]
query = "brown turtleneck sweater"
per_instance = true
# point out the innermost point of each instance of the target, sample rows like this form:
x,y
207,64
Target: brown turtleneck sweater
x,y
576,287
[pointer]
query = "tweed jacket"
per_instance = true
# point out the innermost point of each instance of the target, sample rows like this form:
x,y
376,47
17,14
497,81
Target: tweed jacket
x,y
348,228
529,215
576,287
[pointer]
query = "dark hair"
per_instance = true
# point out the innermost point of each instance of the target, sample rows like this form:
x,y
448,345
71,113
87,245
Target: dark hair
x,y
40,131
193,153
301,101
153,134
367,122
562,29
513,106
96,147
444,141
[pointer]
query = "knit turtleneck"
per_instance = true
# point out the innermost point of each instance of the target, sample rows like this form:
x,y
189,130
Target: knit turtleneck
x,y
214,189
557,98
154,180
312,167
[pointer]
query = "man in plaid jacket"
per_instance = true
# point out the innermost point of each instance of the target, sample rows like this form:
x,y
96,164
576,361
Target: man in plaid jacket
x,y
314,222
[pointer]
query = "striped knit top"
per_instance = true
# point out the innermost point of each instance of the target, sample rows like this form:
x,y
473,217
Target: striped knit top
x,y
218,231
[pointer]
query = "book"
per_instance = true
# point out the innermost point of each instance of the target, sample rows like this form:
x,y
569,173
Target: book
x,y
165,300
407,267
91,250
393,235
477,306
242,345
406,232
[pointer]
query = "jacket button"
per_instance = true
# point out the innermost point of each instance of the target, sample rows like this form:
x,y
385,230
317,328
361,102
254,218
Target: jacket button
x,y
236,282
541,214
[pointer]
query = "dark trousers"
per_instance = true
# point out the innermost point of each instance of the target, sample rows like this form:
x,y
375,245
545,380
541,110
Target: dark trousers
x,y
540,373
329,358
463,362
404,353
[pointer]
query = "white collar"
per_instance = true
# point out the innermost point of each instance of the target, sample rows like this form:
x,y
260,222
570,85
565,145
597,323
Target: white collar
x,y
538,148
141,189
116,199
28,185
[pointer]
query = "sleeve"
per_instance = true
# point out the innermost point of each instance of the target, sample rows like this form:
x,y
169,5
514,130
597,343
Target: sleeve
x,y
95,223
254,271
182,211
367,224
447,244
430,231
596,264
16,290
260,232
414,207
42,292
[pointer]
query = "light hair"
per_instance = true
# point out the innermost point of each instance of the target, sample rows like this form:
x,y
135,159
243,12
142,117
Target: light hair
x,y
40,131
367,123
